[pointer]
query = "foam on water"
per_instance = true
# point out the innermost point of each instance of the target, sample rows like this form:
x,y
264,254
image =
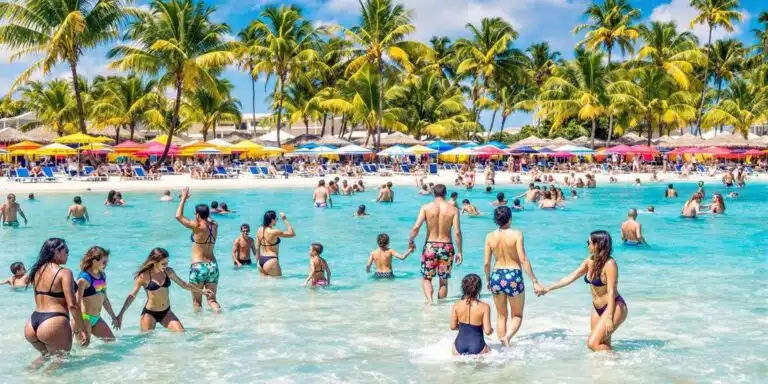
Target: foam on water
x,y
697,297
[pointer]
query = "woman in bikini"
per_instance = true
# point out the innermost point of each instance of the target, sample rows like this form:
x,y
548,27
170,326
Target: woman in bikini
x,y
92,293
49,330
155,277
601,273
204,271
268,240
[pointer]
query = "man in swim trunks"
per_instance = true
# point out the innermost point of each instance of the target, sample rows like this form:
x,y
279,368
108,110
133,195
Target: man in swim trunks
x,y
242,247
385,194
321,198
631,230
9,210
670,192
469,208
77,212
532,195
438,256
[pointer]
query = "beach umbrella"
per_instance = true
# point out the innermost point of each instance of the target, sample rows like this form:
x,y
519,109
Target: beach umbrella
x,y
324,150
532,141
421,150
399,138
208,151
266,151
80,138
644,150
157,149
559,141
94,146
575,149
220,143
497,144
12,135
162,139
3,150
245,146
272,136
620,149
55,149
440,146
24,145
306,151
519,150
309,145
559,154
127,147
334,141
353,150
471,144
753,152
716,151
396,151
487,150
456,154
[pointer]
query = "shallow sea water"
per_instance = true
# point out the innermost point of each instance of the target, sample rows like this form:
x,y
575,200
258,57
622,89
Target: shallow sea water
x,y
698,297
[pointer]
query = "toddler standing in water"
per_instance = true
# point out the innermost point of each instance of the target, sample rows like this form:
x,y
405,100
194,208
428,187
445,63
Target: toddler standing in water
x,y
19,279
383,258
319,272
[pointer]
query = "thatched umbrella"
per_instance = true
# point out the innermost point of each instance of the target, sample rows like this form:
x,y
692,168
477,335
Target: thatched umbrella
x,y
664,141
688,140
302,139
559,142
333,140
630,139
758,141
12,135
532,141
399,138
730,141
42,134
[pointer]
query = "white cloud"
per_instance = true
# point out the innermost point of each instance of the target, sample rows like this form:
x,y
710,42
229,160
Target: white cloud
x,y
681,12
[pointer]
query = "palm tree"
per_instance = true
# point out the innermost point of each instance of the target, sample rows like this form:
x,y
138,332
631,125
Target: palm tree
x,y
124,103
714,14
178,42
247,59
284,48
611,25
538,65
578,91
334,54
211,107
53,103
674,53
10,107
743,106
379,40
59,31
301,103
726,60
485,54
762,37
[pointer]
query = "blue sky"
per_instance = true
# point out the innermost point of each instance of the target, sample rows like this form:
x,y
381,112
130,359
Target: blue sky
x,y
535,20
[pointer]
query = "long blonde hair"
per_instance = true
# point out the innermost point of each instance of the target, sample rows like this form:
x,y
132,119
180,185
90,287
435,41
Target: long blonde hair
x,y
155,256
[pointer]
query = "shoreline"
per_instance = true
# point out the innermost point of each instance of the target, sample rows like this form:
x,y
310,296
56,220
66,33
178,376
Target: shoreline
x,y
176,182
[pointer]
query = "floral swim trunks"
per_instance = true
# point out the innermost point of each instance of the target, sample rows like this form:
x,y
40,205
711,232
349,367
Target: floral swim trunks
x,y
204,273
507,281
437,260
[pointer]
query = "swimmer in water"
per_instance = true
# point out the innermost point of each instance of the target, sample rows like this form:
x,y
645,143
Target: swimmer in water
x,y
31,197
166,196
469,208
506,281
718,205
77,212
92,294
243,246
119,199
385,194
391,192
361,211
548,202
224,209
19,278
500,200
9,210
671,191
489,189
424,190
733,195
382,256
321,198
155,276
516,205
574,194
319,271
692,207
637,182
346,189
454,199
631,230
110,200
728,179
532,195
471,317
268,241
215,207
741,177
651,209
601,273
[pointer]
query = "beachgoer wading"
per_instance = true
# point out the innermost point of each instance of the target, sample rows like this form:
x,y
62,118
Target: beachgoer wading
x,y
268,241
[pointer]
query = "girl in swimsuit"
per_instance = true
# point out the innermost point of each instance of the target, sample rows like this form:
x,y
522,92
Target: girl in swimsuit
x,y
470,340
155,277
92,293
319,271
48,330
268,239
19,277
601,273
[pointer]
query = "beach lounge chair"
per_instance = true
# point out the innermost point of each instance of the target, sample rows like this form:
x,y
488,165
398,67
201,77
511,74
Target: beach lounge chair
x,y
679,169
367,169
254,171
405,169
90,176
265,171
524,168
141,175
288,169
433,169
49,175
749,170
223,172
22,175
701,170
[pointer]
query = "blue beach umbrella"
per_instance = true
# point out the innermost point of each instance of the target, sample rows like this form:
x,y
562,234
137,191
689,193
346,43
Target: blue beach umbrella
x,y
309,145
441,146
469,145
497,144
525,149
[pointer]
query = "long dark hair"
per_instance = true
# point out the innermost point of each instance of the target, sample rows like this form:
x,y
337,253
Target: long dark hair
x,y
502,215
46,255
111,197
269,217
603,245
155,256
471,285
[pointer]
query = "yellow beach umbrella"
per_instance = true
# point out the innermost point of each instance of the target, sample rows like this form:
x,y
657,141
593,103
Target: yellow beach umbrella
x,y
80,138
266,151
420,149
245,146
24,145
86,147
54,150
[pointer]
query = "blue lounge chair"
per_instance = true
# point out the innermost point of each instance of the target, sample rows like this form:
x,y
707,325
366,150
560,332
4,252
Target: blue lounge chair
x,y
254,171
141,175
749,170
265,172
405,169
288,170
524,168
433,169
22,175
679,169
222,171
49,176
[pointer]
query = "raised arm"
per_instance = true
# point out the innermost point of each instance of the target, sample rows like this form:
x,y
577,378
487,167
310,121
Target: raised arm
x,y
180,211
565,281
457,234
289,232
526,264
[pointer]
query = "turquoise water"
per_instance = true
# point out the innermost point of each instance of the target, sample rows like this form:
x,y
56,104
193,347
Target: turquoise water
x,y
697,298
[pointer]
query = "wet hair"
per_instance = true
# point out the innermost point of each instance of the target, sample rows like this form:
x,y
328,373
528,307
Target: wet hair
x,y
516,202
224,207
31,196
603,245
382,240
502,215
16,267
331,183
321,183
389,184
547,194
118,195
202,211
111,196
93,254
471,285
155,256
488,189
424,187
573,192
269,217
317,248
439,190
670,186
46,255
214,204
336,179
77,200
361,208
466,201
245,226
454,195
531,185
167,193
632,212
500,196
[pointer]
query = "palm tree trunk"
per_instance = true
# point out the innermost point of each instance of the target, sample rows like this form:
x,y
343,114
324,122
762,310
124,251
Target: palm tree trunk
x,y
132,127
592,135
610,114
117,134
704,84
204,131
333,129
325,119
214,129
367,137
381,107
503,122
493,120
717,98
343,128
306,127
280,107
253,95
78,97
174,121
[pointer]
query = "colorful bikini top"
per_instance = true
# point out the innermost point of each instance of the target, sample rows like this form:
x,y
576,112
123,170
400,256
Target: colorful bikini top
x,y
95,285
595,282
152,286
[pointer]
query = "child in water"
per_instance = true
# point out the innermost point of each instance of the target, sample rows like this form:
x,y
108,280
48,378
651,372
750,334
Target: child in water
x,y
382,256
361,211
319,272
19,278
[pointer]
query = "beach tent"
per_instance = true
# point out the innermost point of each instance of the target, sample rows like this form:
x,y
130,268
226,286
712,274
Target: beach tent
x,y
244,146
162,139
80,138
456,154
209,151
127,147
644,150
157,149
440,146
353,150
471,144
620,149
23,148
324,150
